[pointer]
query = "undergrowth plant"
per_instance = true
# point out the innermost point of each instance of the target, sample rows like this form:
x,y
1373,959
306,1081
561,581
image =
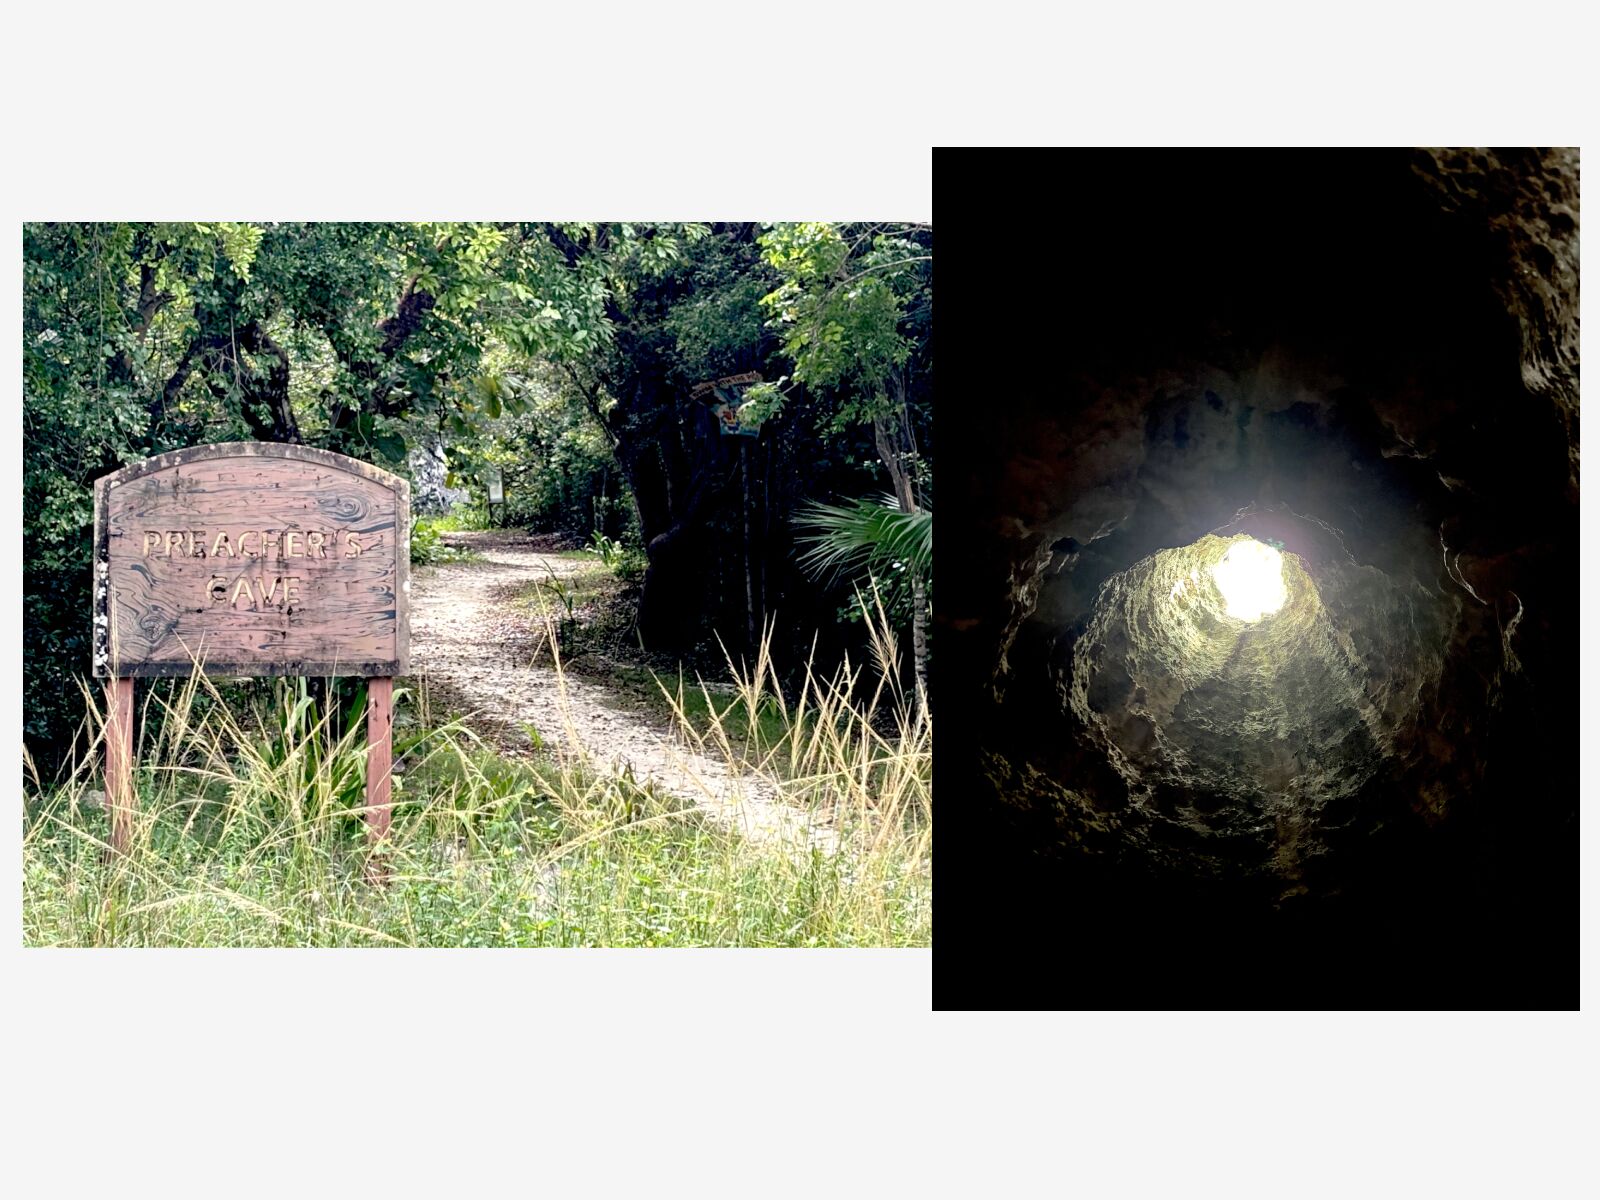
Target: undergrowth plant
x,y
249,830
428,547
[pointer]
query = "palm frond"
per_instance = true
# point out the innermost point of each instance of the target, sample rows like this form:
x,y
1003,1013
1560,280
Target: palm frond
x,y
863,535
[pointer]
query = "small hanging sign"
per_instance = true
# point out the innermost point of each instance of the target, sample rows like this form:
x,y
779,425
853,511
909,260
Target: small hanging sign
x,y
725,398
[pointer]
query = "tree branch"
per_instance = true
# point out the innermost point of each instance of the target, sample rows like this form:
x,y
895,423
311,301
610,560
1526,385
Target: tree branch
x,y
273,390
169,391
570,250
591,398
407,320
899,262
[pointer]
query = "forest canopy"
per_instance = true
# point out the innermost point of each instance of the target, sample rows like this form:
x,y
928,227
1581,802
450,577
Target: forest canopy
x,y
566,356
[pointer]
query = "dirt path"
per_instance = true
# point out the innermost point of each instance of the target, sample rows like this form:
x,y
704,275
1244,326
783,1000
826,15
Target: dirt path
x,y
471,643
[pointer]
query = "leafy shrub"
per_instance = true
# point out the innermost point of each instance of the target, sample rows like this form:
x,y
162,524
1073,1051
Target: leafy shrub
x,y
428,548
425,543
464,517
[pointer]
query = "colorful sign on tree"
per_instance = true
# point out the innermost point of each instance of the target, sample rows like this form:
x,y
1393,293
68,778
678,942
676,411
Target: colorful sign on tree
x,y
725,398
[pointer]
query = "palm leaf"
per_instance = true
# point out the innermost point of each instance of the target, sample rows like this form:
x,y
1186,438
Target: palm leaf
x,y
863,535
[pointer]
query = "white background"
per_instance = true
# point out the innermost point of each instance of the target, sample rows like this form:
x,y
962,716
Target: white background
x,y
736,1073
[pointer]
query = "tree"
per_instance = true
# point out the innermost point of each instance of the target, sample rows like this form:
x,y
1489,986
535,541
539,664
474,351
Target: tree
x,y
140,338
682,307
854,306
569,348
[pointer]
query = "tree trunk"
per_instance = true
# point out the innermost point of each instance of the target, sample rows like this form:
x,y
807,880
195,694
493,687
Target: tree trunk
x,y
263,392
919,639
674,467
668,603
269,389
889,451
749,567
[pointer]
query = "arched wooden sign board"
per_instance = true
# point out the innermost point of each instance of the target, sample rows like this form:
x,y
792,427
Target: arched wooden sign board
x,y
250,558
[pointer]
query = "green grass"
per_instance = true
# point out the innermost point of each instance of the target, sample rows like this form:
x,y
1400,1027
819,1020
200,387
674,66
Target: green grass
x,y
591,581
464,517
249,833
428,548
703,704
590,614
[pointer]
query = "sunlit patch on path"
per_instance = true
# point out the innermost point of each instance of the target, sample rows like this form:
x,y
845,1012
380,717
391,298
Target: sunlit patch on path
x,y
466,638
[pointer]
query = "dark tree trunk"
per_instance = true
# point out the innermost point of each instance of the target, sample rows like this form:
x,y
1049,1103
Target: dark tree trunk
x,y
669,606
749,563
893,439
267,387
671,453
675,467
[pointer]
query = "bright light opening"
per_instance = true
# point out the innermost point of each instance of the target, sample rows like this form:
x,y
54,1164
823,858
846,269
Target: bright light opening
x,y
1250,577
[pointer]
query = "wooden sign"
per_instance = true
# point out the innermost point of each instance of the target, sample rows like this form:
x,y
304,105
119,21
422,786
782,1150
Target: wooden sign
x,y
250,558
254,558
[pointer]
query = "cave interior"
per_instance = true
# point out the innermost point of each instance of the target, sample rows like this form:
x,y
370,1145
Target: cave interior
x,y
1365,361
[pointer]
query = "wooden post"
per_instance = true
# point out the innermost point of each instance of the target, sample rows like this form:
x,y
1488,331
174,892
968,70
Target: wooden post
x,y
121,798
380,754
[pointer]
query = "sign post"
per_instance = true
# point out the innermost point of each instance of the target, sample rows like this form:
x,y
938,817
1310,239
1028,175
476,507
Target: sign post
x,y
250,558
497,495
120,796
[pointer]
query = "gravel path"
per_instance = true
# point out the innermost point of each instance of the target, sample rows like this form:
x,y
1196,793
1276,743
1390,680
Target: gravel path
x,y
470,642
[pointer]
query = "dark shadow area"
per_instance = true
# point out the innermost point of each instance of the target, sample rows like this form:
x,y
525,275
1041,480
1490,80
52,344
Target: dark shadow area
x,y
1370,357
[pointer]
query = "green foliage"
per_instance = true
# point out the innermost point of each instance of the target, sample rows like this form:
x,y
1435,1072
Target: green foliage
x,y
252,837
631,566
627,563
428,548
240,243
425,543
463,517
297,748
721,315
842,306
560,589
609,549
865,535
554,458
873,543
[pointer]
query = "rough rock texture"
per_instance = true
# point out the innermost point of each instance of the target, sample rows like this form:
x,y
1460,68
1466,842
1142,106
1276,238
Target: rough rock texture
x,y
1371,357
429,495
1527,201
1241,742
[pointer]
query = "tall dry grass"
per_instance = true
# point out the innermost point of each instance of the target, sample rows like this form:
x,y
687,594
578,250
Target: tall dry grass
x,y
249,829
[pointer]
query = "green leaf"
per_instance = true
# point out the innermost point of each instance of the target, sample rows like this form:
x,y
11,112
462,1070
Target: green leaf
x,y
865,536
392,446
